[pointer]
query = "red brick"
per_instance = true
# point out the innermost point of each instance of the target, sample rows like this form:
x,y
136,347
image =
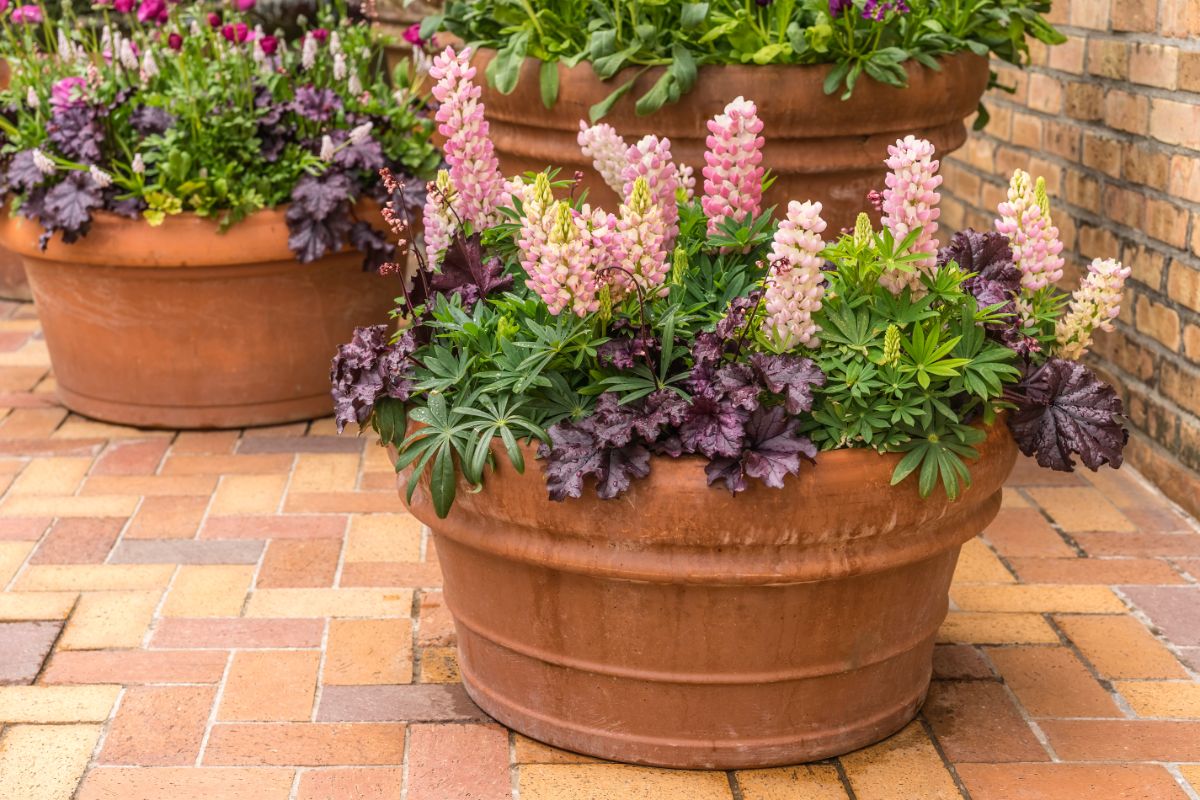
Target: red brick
x,y
284,526
371,783
976,721
78,540
960,662
187,783
305,744
226,465
158,726
458,761
358,502
135,666
167,518
132,457
435,625
242,634
1063,781
1123,740
291,676
373,573
23,529
1052,682
1174,610
1139,544
1025,532
300,563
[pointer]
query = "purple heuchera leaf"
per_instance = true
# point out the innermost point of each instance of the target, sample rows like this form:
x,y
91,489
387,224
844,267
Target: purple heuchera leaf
x,y
319,216
467,273
600,446
1063,408
316,104
738,384
22,174
996,280
78,132
790,376
772,450
366,155
68,207
150,120
713,428
367,368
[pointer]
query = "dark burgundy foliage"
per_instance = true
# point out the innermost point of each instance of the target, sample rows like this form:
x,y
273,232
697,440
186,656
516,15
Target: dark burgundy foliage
x,y
793,378
996,281
368,368
465,272
1064,409
68,207
319,216
151,120
316,104
713,427
77,131
772,449
374,244
22,174
356,157
627,347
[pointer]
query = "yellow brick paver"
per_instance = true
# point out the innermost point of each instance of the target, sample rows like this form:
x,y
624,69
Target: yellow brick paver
x,y
56,703
383,537
1168,699
110,620
812,782
51,476
309,603
903,767
610,781
208,591
86,577
44,762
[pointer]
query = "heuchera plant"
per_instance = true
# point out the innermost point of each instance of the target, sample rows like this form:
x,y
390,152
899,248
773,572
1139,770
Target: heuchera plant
x,y
163,109
702,326
872,38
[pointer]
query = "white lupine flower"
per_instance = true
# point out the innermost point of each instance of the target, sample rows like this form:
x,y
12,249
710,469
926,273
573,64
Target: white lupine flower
x,y
195,29
335,44
129,59
64,45
138,165
43,162
327,149
149,65
361,133
100,177
308,56
354,84
31,98
339,67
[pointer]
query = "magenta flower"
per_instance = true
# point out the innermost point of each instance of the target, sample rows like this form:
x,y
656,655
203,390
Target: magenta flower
x,y
175,42
474,169
214,19
269,45
320,34
68,92
910,201
412,35
650,158
124,6
30,14
795,286
3,6
152,11
733,169
245,5
237,32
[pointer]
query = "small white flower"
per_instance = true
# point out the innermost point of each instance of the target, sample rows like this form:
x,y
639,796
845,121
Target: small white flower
x,y
308,56
361,133
365,54
335,44
64,45
422,63
31,98
195,29
101,178
354,84
327,149
43,162
149,65
129,59
138,165
339,67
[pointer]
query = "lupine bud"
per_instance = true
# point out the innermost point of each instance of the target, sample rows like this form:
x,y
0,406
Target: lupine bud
x,y
339,67
640,244
308,54
863,232
685,179
564,273
650,158
1025,220
679,265
149,65
1094,305
605,147
795,285
354,84
910,201
733,165
891,346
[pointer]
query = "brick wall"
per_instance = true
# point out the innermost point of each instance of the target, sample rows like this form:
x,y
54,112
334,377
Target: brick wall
x,y
1111,119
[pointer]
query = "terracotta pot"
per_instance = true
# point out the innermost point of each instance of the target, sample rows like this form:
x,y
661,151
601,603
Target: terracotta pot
x,y
181,326
683,627
818,146
13,285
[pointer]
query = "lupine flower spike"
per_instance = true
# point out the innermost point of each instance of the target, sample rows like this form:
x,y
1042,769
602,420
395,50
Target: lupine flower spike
x,y
650,158
795,285
474,169
605,147
641,244
733,169
440,222
536,201
1094,305
564,274
910,201
1025,220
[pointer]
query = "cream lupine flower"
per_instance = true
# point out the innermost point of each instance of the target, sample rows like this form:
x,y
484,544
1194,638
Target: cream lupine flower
x,y
1094,305
685,178
651,159
308,54
440,224
795,286
1025,220
605,147
564,274
910,201
640,245
733,168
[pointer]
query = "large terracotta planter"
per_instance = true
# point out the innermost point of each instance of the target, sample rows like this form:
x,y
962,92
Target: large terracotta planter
x,y
818,146
13,285
681,626
181,326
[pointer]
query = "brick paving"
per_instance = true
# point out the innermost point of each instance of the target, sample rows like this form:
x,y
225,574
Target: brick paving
x,y
252,616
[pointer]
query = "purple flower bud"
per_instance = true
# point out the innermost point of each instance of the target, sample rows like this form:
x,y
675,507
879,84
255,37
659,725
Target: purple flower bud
x,y
320,34
838,7
175,42
269,45
214,19
27,14
412,35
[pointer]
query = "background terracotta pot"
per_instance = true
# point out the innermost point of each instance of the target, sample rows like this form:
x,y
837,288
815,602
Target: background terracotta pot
x,y
683,627
13,285
181,326
819,147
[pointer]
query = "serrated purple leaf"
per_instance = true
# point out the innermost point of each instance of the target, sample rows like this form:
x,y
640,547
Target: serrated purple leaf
x,y
713,428
774,448
790,376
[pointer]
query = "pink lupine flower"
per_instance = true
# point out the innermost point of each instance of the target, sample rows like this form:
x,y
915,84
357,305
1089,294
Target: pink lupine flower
x,y
68,92
650,158
474,169
910,201
640,244
1025,220
564,274
1094,305
605,147
536,200
441,226
29,14
685,179
733,165
795,285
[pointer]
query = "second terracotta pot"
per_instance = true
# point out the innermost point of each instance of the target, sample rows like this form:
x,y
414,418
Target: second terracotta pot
x,y
684,627
818,146
182,326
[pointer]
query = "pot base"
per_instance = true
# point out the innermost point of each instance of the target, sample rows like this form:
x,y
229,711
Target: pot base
x,y
244,415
